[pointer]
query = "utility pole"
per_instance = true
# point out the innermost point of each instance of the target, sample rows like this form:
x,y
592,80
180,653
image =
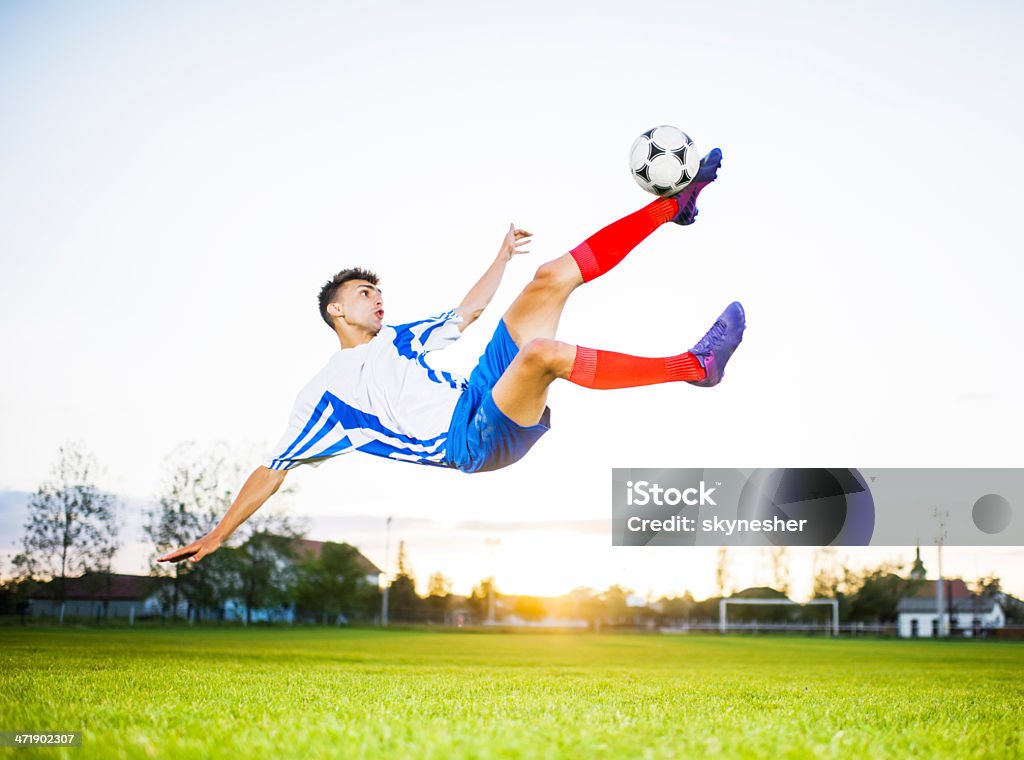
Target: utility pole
x,y
387,573
940,607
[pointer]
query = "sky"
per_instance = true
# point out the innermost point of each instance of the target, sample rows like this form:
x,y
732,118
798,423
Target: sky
x,y
179,180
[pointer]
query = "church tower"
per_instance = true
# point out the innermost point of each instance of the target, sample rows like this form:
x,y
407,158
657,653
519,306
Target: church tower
x,y
917,572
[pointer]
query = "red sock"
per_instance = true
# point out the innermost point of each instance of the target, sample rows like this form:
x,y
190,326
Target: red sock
x,y
606,248
594,368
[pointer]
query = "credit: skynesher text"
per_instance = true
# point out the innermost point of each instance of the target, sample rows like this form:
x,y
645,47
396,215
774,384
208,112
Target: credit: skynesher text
x,y
716,525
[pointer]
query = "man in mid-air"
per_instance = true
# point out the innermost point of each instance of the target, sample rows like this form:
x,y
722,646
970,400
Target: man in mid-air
x,y
379,396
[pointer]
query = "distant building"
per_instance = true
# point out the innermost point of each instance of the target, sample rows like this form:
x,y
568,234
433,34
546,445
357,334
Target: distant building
x,y
917,571
309,548
965,614
100,595
118,595
234,609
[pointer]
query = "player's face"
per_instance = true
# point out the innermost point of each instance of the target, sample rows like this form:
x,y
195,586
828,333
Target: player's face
x,y
362,304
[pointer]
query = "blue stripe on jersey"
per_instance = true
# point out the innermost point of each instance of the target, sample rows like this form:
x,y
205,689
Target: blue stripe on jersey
x,y
337,448
382,449
426,333
352,419
320,408
451,380
329,424
404,335
432,373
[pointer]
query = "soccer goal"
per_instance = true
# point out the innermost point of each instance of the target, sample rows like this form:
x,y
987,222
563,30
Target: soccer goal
x,y
723,610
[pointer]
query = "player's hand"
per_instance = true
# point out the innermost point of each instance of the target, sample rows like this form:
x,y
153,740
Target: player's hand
x,y
194,551
514,241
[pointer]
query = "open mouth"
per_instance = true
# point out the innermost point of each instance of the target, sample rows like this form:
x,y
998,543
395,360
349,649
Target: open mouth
x,y
379,313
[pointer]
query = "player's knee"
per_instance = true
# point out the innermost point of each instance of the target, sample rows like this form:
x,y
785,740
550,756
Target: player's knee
x,y
545,355
555,275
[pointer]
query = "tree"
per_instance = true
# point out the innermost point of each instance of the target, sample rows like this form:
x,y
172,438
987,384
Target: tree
x,y
71,525
991,587
584,604
482,596
403,561
14,596
266,573
613,602
439,585
706,610
676,610
333,584
262,569
878,592
208,585
403,601
530,608
988,586
439,591
761,614
826,575
195,493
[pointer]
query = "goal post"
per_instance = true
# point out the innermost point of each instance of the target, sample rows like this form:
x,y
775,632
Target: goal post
x,y
723,607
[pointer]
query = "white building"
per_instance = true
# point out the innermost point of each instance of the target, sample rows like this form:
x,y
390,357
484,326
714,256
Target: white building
x,y
964,614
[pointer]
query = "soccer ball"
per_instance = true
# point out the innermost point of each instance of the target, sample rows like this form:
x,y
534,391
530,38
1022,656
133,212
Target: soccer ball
x,y
664,160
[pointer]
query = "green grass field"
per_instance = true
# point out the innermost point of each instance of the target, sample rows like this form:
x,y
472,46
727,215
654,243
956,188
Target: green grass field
x,y
308,693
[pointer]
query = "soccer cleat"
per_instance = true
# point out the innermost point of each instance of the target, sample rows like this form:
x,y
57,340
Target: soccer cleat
x,y
687,197
717,345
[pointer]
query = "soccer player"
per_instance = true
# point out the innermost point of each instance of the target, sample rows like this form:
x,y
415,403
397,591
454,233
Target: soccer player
x,y
379,396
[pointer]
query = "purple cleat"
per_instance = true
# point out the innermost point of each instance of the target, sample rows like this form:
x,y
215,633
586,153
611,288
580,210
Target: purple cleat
x,y
687,197
715,348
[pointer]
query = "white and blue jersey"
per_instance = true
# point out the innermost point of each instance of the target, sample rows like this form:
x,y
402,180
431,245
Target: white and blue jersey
x,y
381,398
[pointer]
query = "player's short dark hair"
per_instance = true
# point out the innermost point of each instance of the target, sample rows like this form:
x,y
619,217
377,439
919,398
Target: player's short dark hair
x,y
330,289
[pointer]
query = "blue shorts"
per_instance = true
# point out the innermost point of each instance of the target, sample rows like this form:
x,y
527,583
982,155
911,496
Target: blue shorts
x,y
481,437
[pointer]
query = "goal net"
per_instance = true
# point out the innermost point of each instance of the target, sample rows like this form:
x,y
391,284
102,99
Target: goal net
x,y
723,611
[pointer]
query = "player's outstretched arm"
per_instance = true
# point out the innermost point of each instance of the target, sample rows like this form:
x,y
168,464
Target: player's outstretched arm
x,y
480,295
259,487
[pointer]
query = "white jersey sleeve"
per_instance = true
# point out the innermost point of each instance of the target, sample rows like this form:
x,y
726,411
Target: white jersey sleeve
x,y
311,437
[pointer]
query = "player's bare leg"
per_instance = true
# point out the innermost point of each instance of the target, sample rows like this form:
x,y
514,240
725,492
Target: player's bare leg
x,y
522,391
532,321
537,309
